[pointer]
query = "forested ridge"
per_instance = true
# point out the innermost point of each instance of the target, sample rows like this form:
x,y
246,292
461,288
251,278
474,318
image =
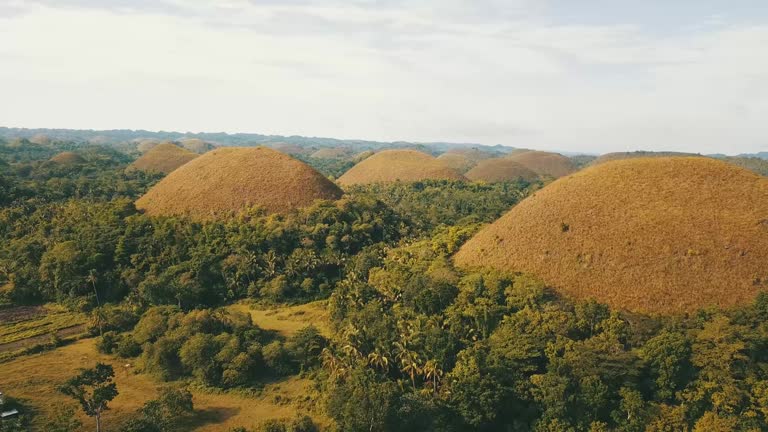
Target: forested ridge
x,y
414,342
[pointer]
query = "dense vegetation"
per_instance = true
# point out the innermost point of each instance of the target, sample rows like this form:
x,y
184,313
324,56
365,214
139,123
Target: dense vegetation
x,y
415,343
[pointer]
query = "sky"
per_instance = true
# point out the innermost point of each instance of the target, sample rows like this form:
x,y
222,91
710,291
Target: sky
x,y
580,76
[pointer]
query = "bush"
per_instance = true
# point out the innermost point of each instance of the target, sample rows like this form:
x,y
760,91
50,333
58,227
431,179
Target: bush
x,y
127,347
277,358
107,344
302,424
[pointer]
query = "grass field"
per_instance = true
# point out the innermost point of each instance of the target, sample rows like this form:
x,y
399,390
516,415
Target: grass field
x,y
27,326
32,380
287,320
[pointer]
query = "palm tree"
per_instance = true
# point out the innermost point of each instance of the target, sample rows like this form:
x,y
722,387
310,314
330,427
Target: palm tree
x,y
379,360
98,317
410,366
433,372
92,279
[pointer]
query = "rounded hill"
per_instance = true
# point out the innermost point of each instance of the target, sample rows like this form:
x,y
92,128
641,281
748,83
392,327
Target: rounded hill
x,y
500,170
660,235
637,154
196,145
67,158
544,163
163,158
398,165
463,159
332,153
226,180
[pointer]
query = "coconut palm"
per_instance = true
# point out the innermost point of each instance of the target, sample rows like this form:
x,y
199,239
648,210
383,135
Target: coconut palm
x,y
432,372
379,360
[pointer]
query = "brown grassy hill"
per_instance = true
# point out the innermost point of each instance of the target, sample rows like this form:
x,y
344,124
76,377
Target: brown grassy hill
x,y
637,154
226,180
647,235
146,145
500,170
463,159
544,163
163,158
67,158
398,165
196,145
332,153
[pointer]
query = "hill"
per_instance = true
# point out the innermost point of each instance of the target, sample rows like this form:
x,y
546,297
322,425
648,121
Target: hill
x,y
146,145
67,158
163,158
637,154
332,153
398,165
500,170
544,163
228,179
754,164
646,235
291,149
464,159
196,145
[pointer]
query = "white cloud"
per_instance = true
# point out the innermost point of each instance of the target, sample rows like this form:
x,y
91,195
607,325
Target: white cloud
x,y
389,70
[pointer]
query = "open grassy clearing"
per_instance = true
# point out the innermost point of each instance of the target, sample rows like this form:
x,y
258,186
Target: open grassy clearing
x,y
288,320
32,380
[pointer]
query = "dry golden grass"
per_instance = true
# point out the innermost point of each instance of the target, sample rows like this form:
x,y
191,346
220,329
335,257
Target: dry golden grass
x,y
288,320
398,165
500,170
67,158
332,153
463,159
33,380
637,154
544,163
229,179
660,235
163,158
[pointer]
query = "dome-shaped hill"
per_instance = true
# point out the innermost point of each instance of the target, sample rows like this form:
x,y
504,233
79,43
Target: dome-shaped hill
x,y
226,180
637,154
163,158
67,158
500,170
398,165
196,145
647,235
146,145
332,153
40,139
462,160
544,163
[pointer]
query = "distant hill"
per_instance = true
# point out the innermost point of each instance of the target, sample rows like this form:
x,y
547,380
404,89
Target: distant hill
x,y
500,170
655,235
544,163
398,165
163,158
67,158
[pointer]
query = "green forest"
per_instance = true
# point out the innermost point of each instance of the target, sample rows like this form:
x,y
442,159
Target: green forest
x,y
414,343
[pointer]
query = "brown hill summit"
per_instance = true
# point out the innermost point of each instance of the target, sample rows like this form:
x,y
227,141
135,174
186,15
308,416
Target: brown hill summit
x,y
500,170
544,163
637,154
226,180
145,145
647,235
463,159
67,158
398,165
163,158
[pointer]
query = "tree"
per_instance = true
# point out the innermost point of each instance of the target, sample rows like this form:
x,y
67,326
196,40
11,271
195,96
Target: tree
x,y
94,389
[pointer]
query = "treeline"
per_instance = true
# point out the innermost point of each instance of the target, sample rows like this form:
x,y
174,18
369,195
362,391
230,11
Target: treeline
x,y
83,253
421,345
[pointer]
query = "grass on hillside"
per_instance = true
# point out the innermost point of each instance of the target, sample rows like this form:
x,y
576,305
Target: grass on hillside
x,y
660,235
288,320
398,165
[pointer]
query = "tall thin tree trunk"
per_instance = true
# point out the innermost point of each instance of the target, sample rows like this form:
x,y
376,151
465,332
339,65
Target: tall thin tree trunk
x,y
98,422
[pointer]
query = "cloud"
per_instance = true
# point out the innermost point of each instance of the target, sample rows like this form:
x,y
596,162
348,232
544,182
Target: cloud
x,y
522,73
